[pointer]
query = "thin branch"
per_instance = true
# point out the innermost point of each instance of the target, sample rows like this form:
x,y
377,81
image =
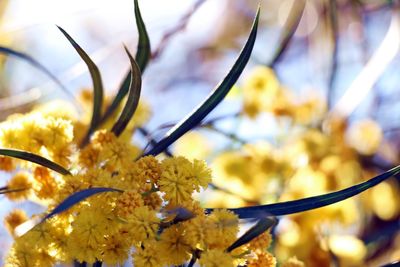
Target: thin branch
x,y
333,21
181,26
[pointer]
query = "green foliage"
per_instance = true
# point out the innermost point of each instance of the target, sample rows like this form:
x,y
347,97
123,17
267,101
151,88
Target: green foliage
x,y
142,58
311,203
193,119
24,155
97,85
133,98
78,197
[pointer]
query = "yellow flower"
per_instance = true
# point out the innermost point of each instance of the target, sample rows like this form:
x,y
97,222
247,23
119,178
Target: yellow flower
x,y
148,255
115,250
90,227
174,246
224,229
261,242
293,262
349,249
148,169
365,136
45,186
175,180
13,219
127,202
263,259
192,145
22,254
142,224
201,174
22,182
216,258
7,164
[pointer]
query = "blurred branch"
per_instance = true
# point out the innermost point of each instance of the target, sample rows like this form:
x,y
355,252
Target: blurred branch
x,y
290,27
375,67
177,29
146,134
333,19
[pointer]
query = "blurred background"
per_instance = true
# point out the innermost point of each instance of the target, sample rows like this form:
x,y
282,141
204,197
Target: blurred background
x,y
339,57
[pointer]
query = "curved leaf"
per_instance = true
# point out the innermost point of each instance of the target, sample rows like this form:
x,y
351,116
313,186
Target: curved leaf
x,y
142,57
97,84
19,154
311,203
213,99
36,64
78,197
133,98
6,191
260,227
290,27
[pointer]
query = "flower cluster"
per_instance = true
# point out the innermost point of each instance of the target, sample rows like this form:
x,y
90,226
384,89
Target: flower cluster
x,y
150,213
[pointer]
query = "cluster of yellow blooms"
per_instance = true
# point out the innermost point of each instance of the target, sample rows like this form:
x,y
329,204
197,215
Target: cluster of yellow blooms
x,y
315,155
152,215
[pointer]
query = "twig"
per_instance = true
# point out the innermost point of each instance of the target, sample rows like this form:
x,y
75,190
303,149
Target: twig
x,y
175,30
332,13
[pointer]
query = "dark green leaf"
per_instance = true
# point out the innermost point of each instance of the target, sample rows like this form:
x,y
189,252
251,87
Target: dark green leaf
x,y
260,227
133,98
311,203
36,64
19,154
142,58
6,191
78,197
193,119
97,84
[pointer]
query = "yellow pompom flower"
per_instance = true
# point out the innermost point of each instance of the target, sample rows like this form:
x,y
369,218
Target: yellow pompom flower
x,y
365,136
7,164
224,229
216,258
201,174
142,224
174,245
127,202
13,219
115,250
45,186
261,242
22,183
175,180
148,255
263,259
148,169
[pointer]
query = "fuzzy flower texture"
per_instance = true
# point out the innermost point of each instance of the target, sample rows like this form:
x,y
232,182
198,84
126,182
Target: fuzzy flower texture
x,y
140,220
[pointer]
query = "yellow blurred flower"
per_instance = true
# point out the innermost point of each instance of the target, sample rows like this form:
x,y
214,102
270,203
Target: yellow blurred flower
x,y
365,136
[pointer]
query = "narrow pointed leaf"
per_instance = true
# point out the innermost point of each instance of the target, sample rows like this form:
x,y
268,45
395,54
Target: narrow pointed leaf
x,y
6,191
78,197
97,83
36,64
193,119
310,203
260,227
142,58
19,154
133,98
290,27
